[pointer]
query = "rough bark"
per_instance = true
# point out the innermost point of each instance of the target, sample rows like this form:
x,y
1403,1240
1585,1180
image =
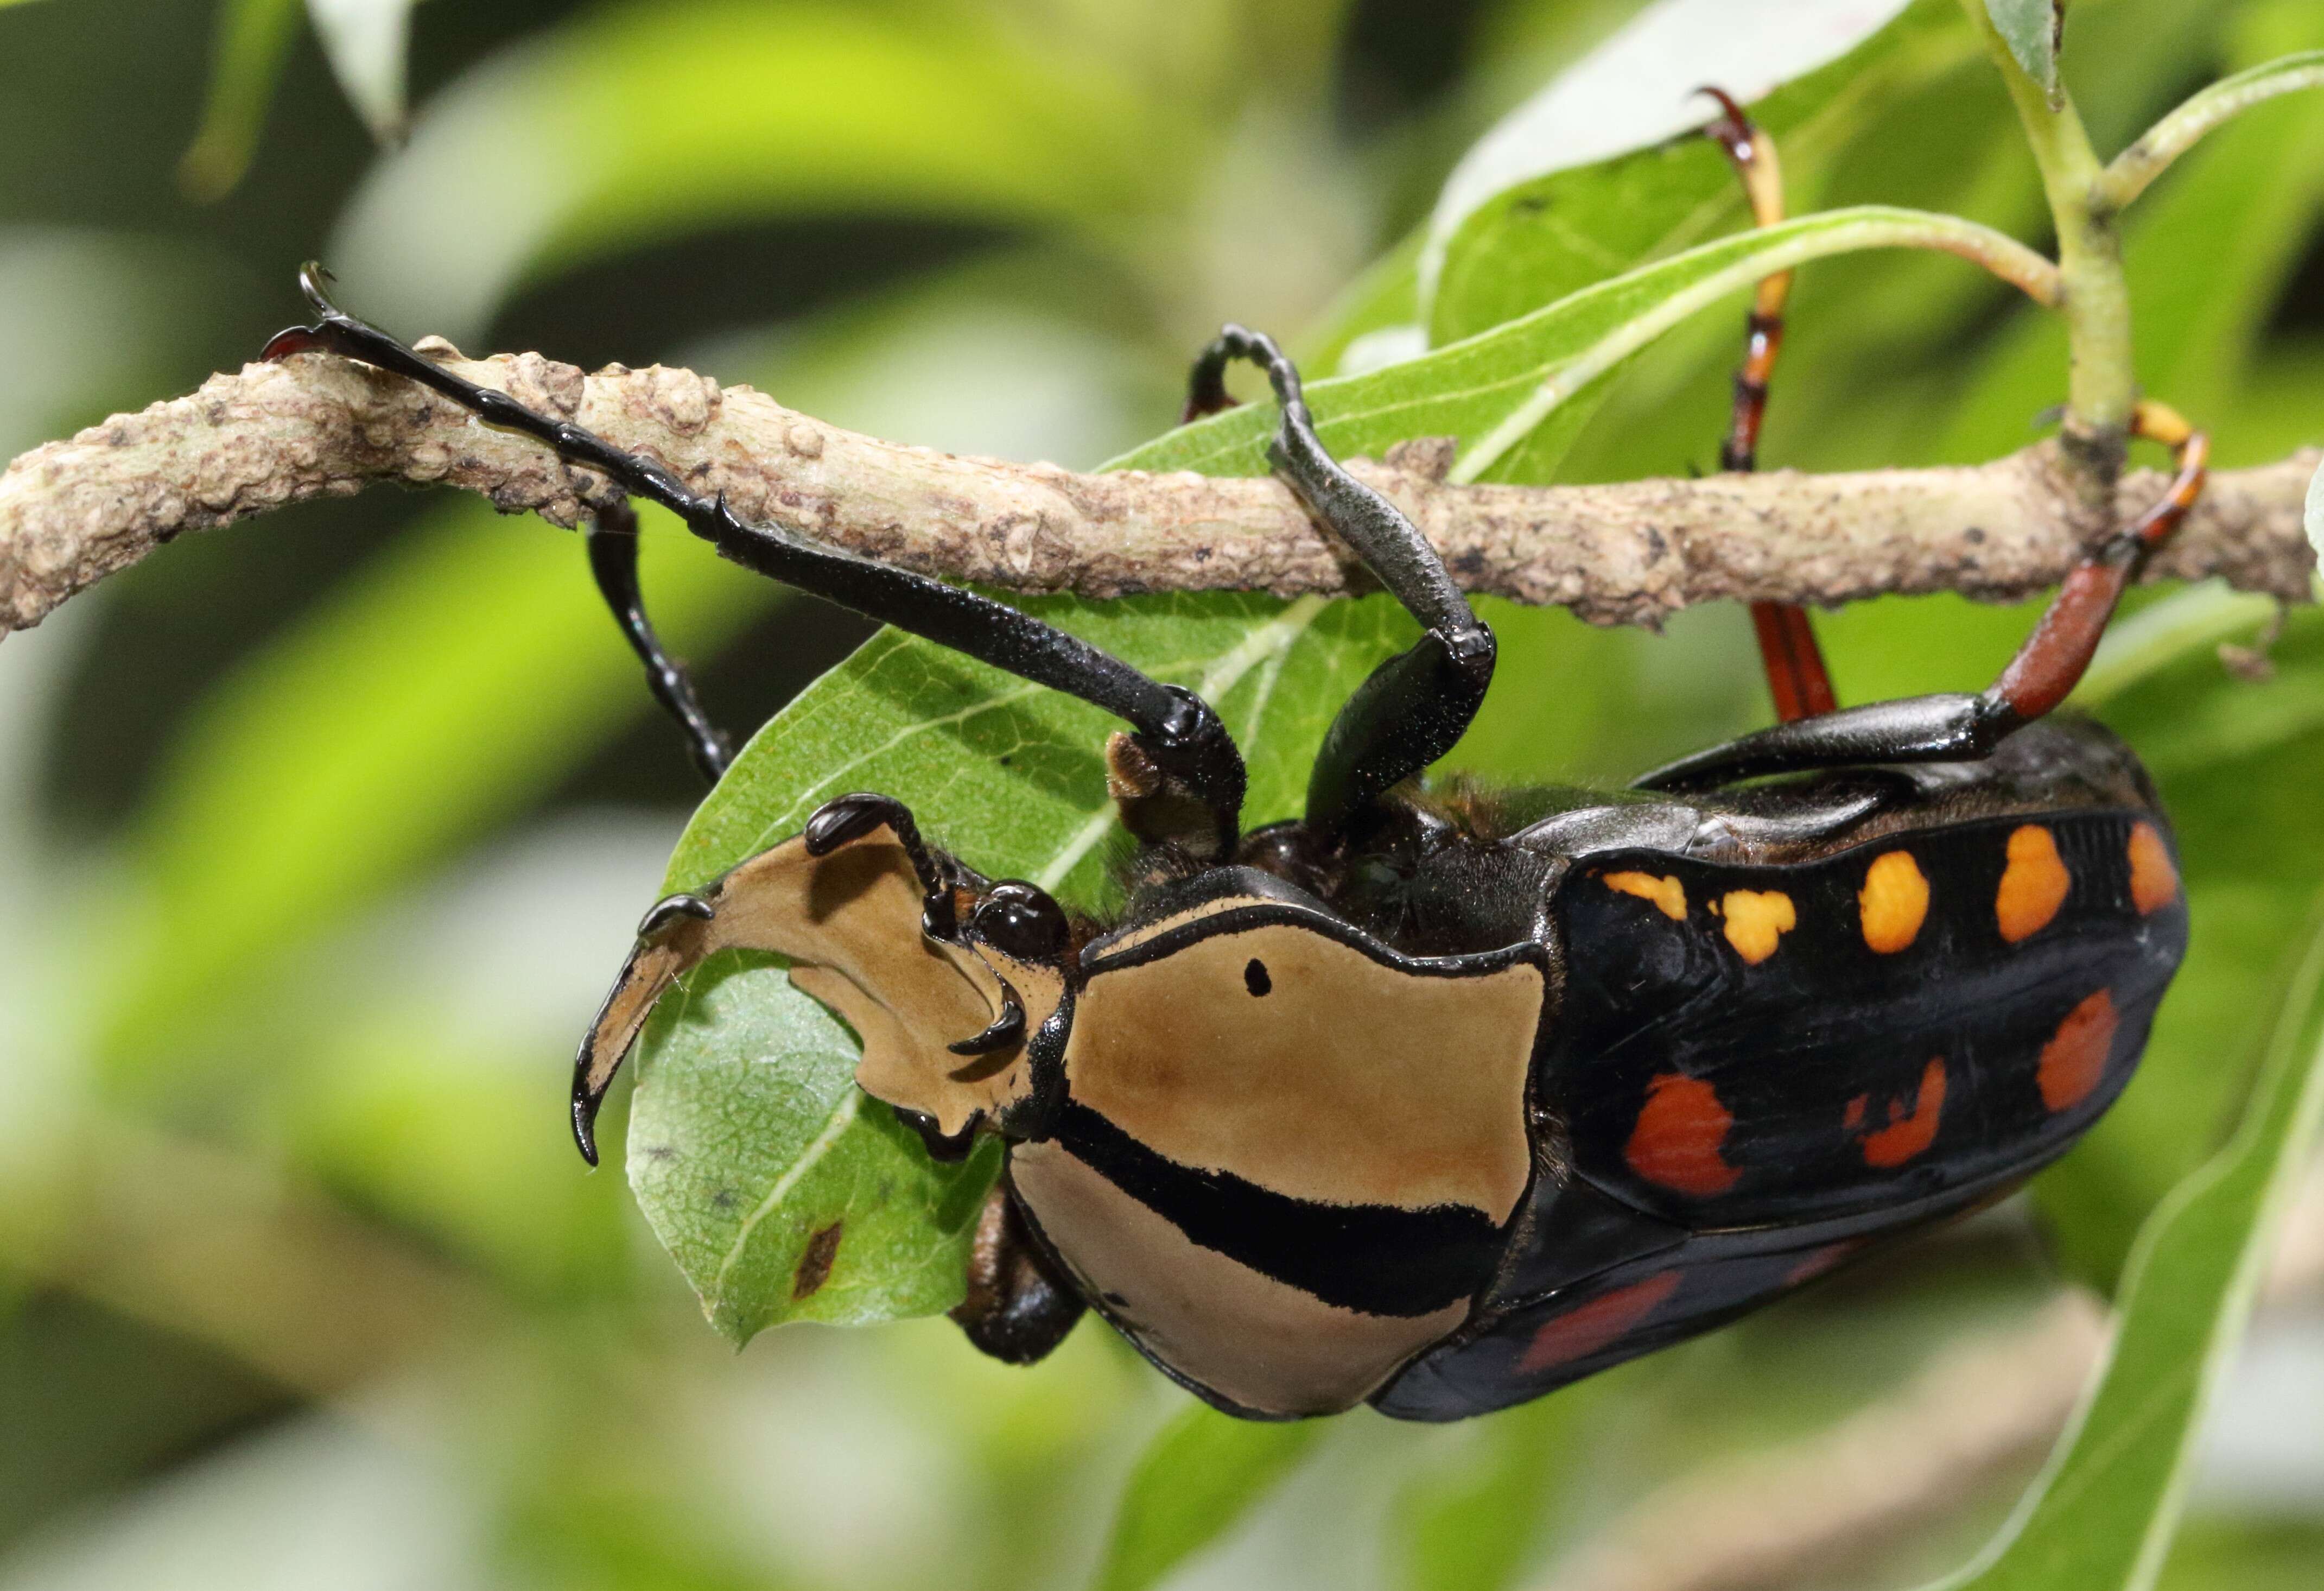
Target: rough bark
x,y
73,512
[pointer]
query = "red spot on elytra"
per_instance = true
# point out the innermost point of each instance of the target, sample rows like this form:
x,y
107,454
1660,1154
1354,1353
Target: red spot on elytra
x,y
1677,1139
2075,1057
1855,1117
1905,1136
1597,1325
1817,1260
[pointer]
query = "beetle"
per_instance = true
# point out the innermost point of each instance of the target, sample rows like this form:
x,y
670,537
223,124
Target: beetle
x,y
1437,1098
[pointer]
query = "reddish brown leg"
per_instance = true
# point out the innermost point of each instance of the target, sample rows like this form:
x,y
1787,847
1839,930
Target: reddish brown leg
x,y
2050,662
1955,727
1796,677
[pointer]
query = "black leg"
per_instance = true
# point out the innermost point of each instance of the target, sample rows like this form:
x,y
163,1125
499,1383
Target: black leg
x,y
1964,728
1018,1307
612,537
1175,728
1418,703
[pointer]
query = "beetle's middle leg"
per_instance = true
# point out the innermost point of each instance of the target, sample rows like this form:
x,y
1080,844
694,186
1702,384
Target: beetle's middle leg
x,y
613,538
1796,677
1418,703
1963,728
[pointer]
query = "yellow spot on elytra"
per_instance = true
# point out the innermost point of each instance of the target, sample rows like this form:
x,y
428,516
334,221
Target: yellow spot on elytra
x,y
1757,920
1665,892
2033,886
2153,879
1894,900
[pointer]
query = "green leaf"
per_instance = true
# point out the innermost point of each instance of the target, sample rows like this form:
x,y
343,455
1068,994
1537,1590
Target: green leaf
x,y
1594,175
1200,1478
783,1193
366,42
649,121
1472,1524
2033,29
1516,396
2102,1513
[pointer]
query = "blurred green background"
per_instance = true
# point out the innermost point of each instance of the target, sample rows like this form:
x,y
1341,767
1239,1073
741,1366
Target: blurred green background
x,y
322,833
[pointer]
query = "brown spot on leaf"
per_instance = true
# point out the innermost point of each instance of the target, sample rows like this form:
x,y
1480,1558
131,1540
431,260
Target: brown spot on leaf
x,y
814,1262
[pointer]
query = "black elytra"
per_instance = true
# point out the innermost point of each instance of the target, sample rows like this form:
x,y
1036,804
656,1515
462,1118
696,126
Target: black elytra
x,y
1438,1097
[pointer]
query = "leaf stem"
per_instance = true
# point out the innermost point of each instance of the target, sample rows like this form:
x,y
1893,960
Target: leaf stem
x,y
2135,168
2100,386
1810,239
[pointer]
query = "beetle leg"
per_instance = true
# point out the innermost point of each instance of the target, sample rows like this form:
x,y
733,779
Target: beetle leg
x,y
1176,727
1964,728
1796,677
1018,1307
1416,704
613,538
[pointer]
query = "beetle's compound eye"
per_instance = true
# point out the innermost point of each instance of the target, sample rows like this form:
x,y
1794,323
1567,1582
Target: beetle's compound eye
x,y
1021,921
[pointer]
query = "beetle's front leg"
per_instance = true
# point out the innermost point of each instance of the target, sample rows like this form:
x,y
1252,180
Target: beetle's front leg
x,y
612,540
1018,1308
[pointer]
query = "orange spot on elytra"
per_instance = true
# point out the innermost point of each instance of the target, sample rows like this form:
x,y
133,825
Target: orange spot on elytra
x,y
1894,901
1597,1325
2154,879
1855,1117
1677,1139
1756,921
2075,1057
2033,886
1905,1136
1665,892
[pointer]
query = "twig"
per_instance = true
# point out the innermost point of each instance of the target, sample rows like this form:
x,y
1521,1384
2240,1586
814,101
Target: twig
x,y
74,512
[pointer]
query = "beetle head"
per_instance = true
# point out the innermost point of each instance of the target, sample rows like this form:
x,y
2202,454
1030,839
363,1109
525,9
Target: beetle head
x,y
948,980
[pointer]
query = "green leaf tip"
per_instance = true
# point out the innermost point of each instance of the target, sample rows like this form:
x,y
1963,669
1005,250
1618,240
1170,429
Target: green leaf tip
x,y
2033,29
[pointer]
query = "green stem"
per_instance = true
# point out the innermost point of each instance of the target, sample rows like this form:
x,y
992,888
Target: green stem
x,y
2100,388
2177,133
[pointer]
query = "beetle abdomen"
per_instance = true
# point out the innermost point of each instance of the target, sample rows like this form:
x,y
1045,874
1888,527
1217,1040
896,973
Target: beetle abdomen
x,y
1762,1070
1935,1010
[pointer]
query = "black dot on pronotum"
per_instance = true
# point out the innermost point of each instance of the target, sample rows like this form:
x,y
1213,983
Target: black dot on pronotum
x,y
1255,978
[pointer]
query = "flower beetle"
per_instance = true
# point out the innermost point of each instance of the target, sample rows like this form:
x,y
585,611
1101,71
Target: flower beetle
x,y
1437,1099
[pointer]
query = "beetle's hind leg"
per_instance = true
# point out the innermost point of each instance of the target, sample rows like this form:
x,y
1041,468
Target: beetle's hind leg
x,y
1959,728
1418,703
1796,677
613,538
